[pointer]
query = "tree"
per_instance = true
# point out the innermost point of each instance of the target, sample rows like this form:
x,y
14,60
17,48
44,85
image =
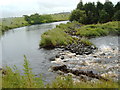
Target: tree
x,y
80,6
117,16
27,18
38,19
91,13
78,15
117,6
104,16
108,7
99,6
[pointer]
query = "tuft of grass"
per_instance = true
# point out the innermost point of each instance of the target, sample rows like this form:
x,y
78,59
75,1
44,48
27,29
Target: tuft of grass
x,y
55,37
86,42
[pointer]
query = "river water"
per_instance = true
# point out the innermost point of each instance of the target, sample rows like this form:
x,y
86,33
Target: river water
x,y
25,41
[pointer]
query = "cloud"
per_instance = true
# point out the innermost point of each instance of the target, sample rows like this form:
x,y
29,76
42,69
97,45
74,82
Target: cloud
x,y
20,7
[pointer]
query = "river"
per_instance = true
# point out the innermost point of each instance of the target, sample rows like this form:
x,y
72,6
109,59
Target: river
x,y
25,41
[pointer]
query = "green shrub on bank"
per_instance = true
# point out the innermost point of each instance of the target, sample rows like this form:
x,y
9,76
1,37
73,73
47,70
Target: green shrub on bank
x,y
55,37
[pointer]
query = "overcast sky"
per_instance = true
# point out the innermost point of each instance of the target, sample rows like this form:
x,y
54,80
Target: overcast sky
x,y
12,8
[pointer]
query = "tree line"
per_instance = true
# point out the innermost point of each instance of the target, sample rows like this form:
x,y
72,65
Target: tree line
x,y
90,13
38,19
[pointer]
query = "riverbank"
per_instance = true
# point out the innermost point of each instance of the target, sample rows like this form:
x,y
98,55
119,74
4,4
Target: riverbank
x,y
74,36
16,22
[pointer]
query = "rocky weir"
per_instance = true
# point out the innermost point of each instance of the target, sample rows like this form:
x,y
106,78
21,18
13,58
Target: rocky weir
x,y
90,64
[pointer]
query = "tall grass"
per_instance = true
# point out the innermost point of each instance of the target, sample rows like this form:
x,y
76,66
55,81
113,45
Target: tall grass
x,y
55,37
14,78
96,30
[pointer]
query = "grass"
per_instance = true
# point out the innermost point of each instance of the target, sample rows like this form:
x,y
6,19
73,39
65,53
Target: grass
x,y
60,16
14,79
55,37
10,23
96,30
86,41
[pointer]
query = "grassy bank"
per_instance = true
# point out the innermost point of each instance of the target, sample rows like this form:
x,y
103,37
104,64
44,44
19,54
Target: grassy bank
x,y
59,35
13,79
10,23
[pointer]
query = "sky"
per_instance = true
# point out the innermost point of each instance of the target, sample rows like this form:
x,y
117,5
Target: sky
x,y
17,8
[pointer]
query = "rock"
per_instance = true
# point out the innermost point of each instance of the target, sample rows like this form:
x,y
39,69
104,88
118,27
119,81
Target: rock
x,y
57,56
59,67
62,57
102,54
4,72
95,56
52,59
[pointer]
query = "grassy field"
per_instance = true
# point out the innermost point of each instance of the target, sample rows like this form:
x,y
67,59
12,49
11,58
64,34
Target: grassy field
x,y
87,31
10,23
13,79
60,16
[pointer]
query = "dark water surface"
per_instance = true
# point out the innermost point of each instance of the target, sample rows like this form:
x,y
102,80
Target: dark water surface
x,y
25,41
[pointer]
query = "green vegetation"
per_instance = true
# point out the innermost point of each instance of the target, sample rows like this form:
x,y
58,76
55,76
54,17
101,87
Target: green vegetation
x,y
55,37
10,23
90,13
61,35
39,19
95,30
60,16
86,41
14,79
